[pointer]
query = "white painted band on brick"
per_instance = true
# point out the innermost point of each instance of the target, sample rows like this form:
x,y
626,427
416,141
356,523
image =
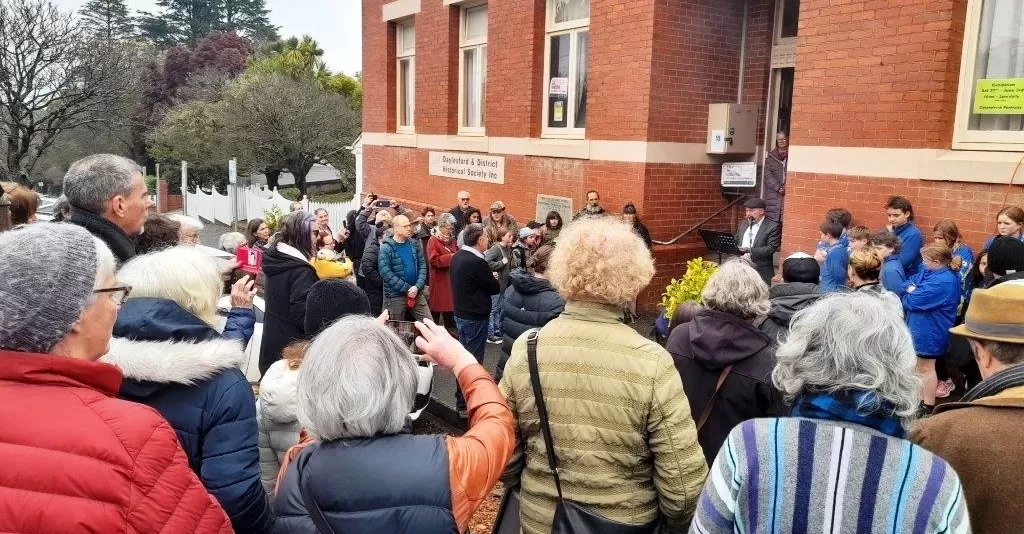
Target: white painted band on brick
x,y
400,9
913,163
592,149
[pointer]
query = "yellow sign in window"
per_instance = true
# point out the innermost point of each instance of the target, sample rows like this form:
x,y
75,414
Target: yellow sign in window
x,y
999,97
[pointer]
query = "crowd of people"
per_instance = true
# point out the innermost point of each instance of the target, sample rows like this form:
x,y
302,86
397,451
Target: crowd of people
x,y
808,404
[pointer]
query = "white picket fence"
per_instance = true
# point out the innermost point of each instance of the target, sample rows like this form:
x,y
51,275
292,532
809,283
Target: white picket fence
x,y
254,202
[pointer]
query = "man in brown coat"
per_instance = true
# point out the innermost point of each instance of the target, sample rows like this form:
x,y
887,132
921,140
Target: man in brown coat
x,y
980,436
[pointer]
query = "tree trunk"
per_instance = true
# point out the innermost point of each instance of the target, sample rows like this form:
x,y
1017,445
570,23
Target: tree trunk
x,y
273,175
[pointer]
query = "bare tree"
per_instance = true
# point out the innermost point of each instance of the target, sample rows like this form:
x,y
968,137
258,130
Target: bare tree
x,y
53,78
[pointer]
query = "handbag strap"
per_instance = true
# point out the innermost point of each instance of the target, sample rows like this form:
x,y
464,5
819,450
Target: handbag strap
x,y
315,513
711,403
542,409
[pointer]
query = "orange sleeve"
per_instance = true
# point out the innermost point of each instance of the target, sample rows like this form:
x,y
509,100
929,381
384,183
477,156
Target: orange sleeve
x,y
477,458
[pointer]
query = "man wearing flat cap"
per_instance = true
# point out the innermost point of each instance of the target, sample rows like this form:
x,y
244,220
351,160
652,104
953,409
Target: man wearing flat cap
x,y
759,239
980,436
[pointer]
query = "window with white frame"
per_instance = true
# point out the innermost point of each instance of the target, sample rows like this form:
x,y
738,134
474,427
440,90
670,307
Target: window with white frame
x,y
990,103
565,67
405,65
473,70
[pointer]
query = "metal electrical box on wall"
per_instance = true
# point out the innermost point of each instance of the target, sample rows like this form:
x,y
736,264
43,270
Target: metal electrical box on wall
x,y
731,128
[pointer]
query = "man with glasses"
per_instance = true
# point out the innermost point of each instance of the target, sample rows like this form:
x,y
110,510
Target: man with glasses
x,y
460,210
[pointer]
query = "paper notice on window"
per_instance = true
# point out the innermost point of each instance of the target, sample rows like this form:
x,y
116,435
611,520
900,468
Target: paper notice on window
x,y
717,142
559,111
559,87
999,97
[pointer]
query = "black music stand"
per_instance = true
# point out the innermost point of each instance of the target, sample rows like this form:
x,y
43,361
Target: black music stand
x,y
720,242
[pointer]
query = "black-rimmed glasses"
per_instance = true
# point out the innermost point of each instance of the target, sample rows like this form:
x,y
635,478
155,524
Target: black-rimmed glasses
x,y
118,294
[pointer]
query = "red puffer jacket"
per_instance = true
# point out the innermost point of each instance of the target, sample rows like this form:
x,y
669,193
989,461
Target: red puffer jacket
x,y
77,459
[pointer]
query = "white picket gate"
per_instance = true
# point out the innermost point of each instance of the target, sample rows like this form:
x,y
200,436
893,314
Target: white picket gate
x,y
254,202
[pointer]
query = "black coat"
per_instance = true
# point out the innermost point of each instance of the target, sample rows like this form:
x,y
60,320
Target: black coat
x,y
473,284
373,283
701,349
787,299
530,302
766,243
288,283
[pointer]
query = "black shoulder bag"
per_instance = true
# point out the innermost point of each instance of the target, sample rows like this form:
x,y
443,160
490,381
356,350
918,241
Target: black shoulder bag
x,y
571,517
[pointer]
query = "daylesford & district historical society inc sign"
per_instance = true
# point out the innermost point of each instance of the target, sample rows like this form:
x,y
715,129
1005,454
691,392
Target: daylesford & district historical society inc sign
x,y
489,169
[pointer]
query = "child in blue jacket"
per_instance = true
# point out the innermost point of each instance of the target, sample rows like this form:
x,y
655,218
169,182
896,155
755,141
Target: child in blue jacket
x,y
900,214
887,245
931,300
834,269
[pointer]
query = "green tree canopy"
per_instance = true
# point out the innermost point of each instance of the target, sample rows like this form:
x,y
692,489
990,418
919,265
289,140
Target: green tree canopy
x,y
107,19
302,59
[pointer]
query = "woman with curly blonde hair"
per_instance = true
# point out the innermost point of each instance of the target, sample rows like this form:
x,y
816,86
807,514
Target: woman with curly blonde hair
x,y
627,448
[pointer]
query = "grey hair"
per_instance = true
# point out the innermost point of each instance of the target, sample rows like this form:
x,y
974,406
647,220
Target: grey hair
x,y
93,180
230,241
186,222
446,220
850,341
357,380
738,289
106,265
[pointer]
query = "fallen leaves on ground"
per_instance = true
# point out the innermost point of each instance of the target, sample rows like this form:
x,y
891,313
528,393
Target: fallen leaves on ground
x,y
483,520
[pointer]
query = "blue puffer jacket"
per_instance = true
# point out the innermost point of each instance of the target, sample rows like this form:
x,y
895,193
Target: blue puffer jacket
x,y
530,302
175,363
931,309
910,249
392,268
894,278
389,485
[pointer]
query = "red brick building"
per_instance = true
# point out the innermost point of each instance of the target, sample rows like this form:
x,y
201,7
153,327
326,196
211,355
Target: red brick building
x,y
516,99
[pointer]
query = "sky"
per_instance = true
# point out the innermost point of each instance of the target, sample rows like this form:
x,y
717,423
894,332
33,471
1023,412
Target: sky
x,y
335,24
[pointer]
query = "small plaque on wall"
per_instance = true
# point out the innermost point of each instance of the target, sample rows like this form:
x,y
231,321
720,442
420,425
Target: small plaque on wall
x,y
548,203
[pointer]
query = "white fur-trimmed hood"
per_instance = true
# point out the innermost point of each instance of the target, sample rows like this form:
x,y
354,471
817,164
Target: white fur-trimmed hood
x,y
174,362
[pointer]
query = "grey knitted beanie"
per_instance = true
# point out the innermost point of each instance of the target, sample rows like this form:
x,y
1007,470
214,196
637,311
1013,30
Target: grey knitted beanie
x,y
47,274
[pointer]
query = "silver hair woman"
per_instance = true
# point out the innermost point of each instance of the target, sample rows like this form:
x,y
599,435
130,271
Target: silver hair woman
x,y
823,354
842,459
723,354
175,361
356,385
440,249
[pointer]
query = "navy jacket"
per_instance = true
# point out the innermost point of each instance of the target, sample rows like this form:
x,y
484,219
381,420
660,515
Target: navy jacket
x,y
530,302
894,278
288,283
910,250
931,309
184,369
389,485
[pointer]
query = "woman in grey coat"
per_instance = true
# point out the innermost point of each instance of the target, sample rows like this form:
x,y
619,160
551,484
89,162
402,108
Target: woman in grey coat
x,y
775,178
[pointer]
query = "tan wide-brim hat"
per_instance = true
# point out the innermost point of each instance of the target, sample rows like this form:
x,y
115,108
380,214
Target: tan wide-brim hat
x,y
995,314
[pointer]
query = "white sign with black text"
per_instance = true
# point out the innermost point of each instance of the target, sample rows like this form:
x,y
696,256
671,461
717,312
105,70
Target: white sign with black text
x,y
739,174
489,169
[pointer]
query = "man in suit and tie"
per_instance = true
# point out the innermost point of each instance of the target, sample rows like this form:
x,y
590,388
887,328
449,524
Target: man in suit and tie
x,y
759,239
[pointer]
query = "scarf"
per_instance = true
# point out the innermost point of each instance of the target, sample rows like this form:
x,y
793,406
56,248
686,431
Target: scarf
x,y
119,243
851,406
782,154
1005,379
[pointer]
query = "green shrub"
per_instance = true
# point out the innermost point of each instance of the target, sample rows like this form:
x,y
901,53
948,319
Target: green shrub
x,y
689,288
272,217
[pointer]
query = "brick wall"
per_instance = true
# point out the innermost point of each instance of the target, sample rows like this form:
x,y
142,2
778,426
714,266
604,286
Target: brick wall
x,y
879,73
437,69
972,206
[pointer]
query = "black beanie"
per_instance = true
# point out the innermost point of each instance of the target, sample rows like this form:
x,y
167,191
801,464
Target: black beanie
x,y
330,300
1006,256
801,268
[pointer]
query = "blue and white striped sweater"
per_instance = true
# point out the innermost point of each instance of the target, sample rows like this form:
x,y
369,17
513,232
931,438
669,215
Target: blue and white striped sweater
x,y
796,475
